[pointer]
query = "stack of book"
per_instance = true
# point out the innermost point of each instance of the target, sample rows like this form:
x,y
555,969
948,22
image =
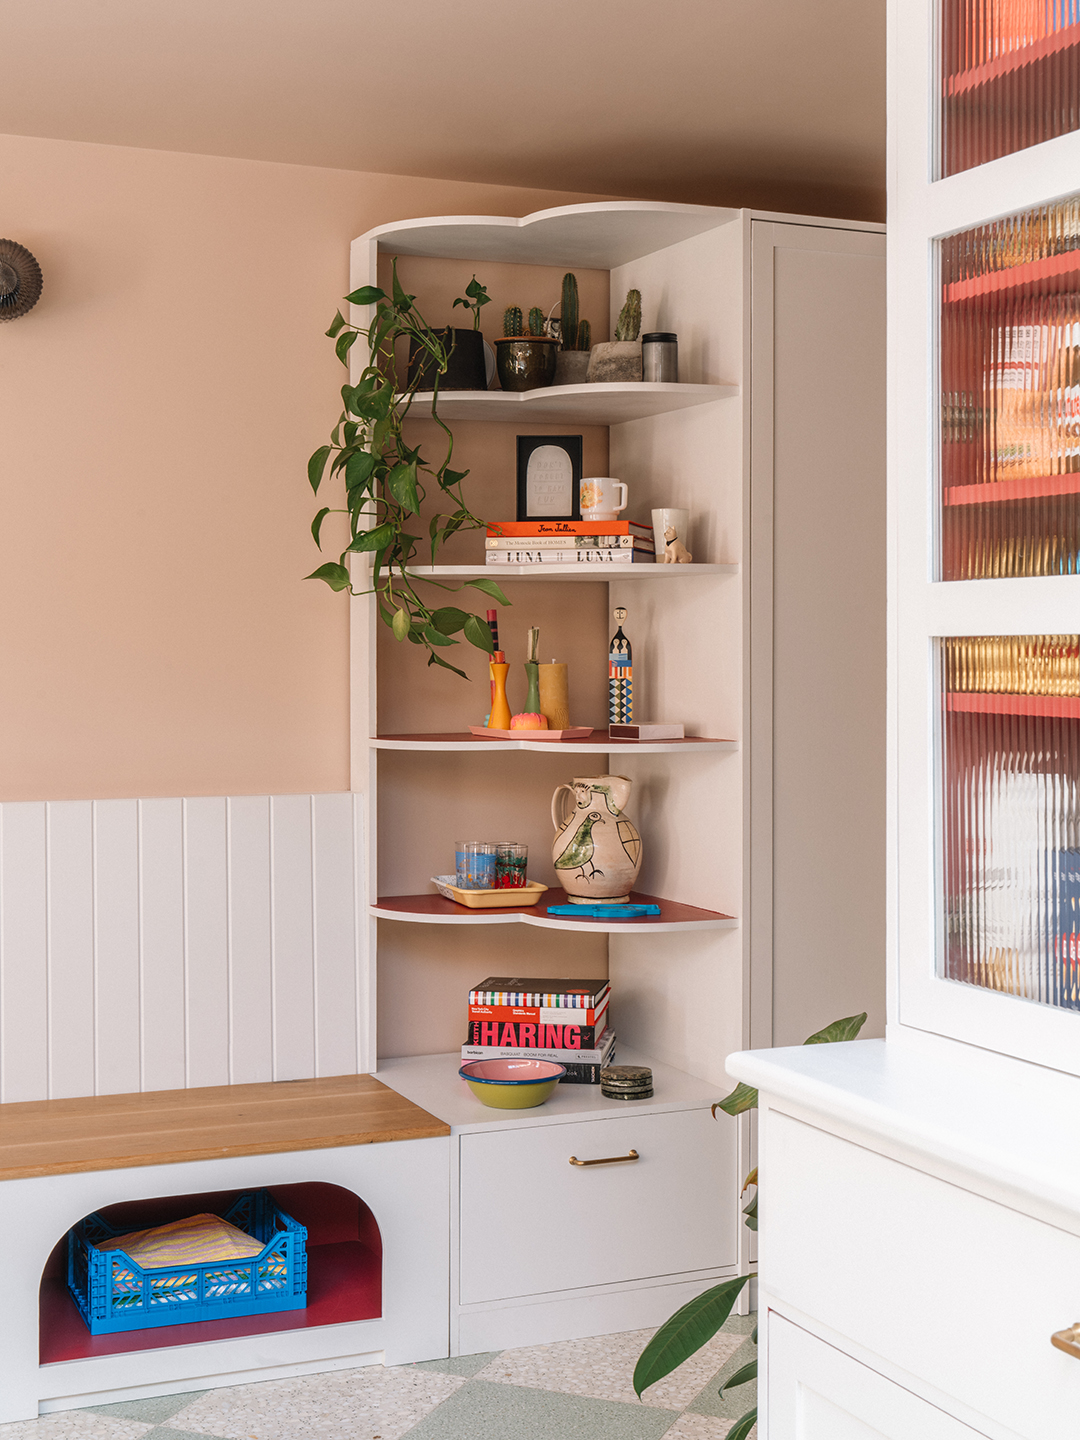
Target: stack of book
x,y
569,542
561,1020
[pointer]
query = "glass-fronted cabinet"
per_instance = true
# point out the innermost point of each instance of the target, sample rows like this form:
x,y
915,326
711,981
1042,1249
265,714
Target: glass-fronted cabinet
x,y
986,520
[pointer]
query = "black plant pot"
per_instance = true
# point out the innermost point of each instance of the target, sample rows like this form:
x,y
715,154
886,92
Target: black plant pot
x,y
525,362
466,369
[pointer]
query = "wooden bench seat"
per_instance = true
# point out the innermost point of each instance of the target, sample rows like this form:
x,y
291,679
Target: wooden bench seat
x,y
109,1132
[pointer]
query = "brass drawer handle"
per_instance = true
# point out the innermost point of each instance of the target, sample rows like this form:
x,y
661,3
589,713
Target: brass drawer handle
x,y
1068,1340
621,1159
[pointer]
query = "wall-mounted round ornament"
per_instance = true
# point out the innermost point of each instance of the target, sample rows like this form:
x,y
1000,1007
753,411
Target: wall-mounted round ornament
x,y
20,280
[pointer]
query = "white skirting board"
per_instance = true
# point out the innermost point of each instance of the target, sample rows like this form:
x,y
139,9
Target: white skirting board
x,y
167,943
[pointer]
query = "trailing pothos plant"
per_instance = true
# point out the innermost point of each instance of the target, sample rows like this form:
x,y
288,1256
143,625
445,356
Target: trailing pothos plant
x,y
386,480
699,1319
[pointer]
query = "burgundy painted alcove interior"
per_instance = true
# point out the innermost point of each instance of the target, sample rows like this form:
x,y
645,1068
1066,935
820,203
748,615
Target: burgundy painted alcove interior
x,y
344,1251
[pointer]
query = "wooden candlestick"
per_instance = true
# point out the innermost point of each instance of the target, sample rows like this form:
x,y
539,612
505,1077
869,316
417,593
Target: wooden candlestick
x,y
555,696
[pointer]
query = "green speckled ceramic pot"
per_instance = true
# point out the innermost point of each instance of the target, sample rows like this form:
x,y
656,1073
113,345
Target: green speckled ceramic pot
x,y
525,362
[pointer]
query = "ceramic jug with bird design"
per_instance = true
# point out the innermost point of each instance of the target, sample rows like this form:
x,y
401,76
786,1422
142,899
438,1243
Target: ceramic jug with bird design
x,y
597,851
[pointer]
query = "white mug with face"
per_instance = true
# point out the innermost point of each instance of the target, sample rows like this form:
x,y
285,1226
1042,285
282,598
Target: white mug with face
x,y
600,498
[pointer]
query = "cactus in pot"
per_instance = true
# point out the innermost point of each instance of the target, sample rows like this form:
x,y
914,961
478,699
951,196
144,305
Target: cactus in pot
x,y
512,321
619,360
572,365
524,360
536,321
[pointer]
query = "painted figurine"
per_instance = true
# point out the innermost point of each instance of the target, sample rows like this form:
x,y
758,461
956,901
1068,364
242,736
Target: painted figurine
x,y
620,675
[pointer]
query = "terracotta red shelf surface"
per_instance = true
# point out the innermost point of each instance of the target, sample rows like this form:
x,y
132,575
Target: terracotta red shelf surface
x,y
599,738
1065,707
1032,487
436,907
344,1283
1029,54
1014,276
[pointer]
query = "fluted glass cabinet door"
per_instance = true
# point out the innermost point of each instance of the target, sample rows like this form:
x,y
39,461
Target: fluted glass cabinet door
x,y
1010,396
1010,77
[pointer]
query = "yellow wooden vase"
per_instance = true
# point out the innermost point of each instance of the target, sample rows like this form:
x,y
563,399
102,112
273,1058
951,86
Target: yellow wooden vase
x,y
499,719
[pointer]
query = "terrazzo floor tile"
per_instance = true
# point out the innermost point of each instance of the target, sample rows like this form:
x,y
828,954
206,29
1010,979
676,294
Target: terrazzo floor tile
x,y
603,1368
482,1410
345,1405
74,1425
165,1432
466,1365
734,1402
700,1427
155,1410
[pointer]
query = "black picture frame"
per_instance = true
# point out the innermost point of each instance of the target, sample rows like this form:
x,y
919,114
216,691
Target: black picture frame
x,y
526,445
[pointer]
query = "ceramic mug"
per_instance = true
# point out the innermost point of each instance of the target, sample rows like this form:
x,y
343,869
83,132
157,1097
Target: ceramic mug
x,y
600,498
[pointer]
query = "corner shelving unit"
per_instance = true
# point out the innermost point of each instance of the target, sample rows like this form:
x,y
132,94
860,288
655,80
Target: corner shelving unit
x,y
680,980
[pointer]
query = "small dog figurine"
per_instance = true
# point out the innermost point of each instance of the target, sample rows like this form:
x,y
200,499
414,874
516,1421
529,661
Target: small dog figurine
x,y
675,552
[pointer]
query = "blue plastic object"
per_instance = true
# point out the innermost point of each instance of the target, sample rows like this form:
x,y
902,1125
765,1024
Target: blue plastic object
x,y
604,912
112,1292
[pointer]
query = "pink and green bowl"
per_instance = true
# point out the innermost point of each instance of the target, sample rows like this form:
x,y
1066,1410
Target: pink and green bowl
x,y
507,1084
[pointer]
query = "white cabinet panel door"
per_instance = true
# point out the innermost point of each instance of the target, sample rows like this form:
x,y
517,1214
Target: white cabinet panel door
x,y
531,1222
818,1393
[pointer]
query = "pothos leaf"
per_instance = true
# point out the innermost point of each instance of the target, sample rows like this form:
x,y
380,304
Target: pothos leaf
x,y
400,624
489,587
686,1332
751,1179
316,465
366,295
743,1097
316,524
434,659
344,344
448,619
359,468
336,576
838,1030
373,539
478,633
336,324
401,482
436,637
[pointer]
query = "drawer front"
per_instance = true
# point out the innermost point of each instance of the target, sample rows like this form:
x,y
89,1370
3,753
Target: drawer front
x,y
531,1222
961,1292
818,1393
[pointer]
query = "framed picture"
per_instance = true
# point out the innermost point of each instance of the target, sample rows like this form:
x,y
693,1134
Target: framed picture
x,y
549,477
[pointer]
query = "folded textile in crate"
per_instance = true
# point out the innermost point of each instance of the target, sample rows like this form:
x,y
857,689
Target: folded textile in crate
x,y
192,1241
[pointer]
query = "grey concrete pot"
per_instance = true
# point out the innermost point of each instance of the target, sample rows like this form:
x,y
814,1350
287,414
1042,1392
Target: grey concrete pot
x,y
572,367
615,360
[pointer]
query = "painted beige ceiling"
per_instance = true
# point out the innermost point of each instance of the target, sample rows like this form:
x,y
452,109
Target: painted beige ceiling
x,y
776,103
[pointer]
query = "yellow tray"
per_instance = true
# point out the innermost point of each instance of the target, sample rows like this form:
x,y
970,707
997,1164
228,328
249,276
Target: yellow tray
x,y
527,894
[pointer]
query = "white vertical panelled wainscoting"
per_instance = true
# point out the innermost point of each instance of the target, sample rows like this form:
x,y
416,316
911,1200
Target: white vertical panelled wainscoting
x,y
161,944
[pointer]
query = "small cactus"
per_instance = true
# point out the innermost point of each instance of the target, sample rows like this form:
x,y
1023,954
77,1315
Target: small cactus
x,y
584,335
536,322
512,320
568,323
629,322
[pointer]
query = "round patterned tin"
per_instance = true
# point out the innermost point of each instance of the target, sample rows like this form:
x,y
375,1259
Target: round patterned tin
x,y
626,1082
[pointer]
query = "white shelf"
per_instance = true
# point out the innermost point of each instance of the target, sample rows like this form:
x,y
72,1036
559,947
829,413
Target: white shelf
x,y
431,908
573,404
473,745
432,1082
570,572
601,235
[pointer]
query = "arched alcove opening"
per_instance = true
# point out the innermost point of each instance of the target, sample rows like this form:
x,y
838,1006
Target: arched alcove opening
x,y
344,1251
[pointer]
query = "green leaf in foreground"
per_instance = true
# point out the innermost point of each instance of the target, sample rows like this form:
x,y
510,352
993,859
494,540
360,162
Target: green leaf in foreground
x,y
316,524
741,1377
478,633
489,587
373,539
400,624
743,1097
741,1429
685,1333
336,576
366,295
316,465
838,1030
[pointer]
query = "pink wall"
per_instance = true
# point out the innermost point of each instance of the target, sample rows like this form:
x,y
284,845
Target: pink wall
x,y
156,411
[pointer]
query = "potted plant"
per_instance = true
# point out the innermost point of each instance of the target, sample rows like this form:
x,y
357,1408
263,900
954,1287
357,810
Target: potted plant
x,y
466,368
385,480
525,361
572,362
620,359
699,1319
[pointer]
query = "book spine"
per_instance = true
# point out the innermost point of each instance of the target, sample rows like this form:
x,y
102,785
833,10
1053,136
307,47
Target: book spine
x,y
530,1036
530,528
561,1000
569,557
584,1074
535,1014
560,1057
568,542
